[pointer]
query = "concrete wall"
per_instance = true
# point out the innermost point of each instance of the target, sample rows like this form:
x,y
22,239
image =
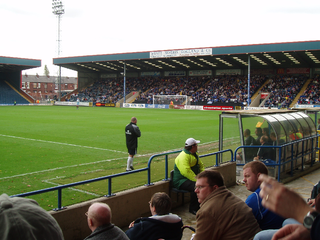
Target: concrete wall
x,y
126,206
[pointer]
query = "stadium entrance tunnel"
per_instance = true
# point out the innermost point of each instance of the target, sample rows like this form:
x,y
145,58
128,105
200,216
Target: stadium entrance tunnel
x,y
285,140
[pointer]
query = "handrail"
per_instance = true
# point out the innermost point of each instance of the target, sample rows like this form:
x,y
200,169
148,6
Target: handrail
x,y
280,147
110,177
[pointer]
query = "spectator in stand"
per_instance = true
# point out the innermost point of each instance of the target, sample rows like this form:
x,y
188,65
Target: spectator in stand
x,y
23,218
265,132
99,222
264,153
186,166
259,134
250,153
265,218
161,225
222,215
289,204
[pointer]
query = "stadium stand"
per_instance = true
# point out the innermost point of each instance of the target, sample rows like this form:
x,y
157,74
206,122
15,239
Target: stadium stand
x,y
202,90
311,95
227,89
8,95
283,89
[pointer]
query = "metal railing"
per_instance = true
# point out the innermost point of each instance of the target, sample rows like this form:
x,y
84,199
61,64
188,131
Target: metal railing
x,y
294,157
110,177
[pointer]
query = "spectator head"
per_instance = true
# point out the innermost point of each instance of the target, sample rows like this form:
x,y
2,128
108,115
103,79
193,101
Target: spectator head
x,y
273,136
98,214
160,204
263,139
191,145
207,182
23,218
265,131
134,120
247,133
251,173
258,131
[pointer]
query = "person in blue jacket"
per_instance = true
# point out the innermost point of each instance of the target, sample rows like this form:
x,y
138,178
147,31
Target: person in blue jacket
x,y
265,218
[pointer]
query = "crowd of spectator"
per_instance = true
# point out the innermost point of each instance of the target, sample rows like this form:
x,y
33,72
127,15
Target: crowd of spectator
x,y
203,90
311,95
227,89
283,89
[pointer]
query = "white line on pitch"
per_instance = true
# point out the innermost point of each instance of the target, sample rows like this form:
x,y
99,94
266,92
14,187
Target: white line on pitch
x,y
83,164
59,168
71,188
67,144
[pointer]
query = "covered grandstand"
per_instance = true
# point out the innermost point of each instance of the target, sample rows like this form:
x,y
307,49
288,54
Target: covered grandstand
x,y
10,79
101,78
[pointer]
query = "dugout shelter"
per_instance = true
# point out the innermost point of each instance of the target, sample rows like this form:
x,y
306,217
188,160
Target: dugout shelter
x,y
292,147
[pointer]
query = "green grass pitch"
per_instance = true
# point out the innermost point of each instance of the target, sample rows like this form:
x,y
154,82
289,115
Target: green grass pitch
x,y
46,146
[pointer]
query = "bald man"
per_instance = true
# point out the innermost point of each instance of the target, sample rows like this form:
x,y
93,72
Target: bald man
x,y
99,222
132,134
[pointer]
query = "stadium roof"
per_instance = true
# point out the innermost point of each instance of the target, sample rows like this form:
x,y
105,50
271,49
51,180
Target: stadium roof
x,y
262,56
10,64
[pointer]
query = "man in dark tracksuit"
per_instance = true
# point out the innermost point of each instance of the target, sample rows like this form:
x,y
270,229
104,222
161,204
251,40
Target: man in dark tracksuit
x,y
132,134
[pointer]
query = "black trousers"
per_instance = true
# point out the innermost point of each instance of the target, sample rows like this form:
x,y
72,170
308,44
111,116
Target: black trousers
x,y
189,186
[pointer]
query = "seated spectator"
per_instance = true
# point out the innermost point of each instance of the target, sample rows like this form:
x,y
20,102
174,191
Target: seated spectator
x,y
265,132
314,193
259,134
222,215
186,166
161,225
265,218
250,153
264,153
99,222
23,218
289,204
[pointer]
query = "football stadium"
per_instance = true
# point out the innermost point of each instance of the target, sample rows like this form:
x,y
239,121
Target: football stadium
x,y
63,143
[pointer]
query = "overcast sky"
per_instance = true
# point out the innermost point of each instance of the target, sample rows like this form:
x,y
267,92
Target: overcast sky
x,y
29,28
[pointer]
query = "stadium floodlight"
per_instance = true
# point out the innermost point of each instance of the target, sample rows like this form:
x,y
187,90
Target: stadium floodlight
x,y
58,10
170,99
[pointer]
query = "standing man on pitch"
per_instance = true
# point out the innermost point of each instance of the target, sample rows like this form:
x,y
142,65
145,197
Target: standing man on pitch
x,y
132,134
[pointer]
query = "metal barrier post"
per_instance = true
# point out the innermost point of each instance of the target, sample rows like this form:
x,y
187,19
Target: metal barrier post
x,y
166,167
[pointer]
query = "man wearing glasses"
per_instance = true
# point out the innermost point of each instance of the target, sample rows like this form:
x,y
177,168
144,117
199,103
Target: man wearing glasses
x,y
222,215
187,166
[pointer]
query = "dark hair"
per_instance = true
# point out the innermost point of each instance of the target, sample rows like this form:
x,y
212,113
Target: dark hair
x,y
162,203
264,138
257,167
188,148
247,131
213,177
266,130
259,130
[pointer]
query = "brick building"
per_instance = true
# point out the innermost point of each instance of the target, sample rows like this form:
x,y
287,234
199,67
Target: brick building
x,y
46,87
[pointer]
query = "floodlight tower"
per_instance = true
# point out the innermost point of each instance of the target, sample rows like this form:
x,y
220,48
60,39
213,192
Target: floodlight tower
x,y
58,10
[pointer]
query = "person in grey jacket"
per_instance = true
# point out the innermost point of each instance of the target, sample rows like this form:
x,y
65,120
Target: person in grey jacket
x,y
132,134
99,222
